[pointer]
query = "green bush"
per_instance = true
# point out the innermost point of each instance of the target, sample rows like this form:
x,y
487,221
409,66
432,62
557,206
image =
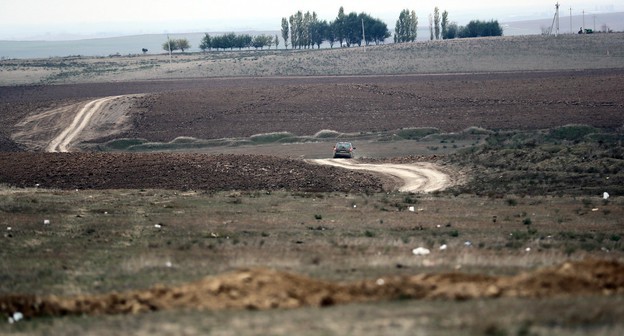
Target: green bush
x,y
417,133
326,134
270,137
571,132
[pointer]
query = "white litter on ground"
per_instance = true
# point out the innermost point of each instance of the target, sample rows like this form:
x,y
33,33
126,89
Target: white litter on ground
x,y
17,316
380,282
412,209
46,222
605,195
419,251
443,247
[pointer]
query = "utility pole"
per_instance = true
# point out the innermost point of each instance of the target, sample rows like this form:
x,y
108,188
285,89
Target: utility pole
x,y
169,43
571,31
583,27
555,23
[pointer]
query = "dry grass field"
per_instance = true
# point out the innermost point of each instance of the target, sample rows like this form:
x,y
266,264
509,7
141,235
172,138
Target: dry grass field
x,y
198,215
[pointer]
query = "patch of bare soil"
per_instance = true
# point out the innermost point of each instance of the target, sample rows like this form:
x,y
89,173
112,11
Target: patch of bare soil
x,y
269,289
57,129
177,172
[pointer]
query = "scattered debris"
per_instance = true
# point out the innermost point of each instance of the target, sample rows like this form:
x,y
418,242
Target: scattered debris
x,y
443,247
605,195
46,222
412,209
16,317
467,243
420,251
158,226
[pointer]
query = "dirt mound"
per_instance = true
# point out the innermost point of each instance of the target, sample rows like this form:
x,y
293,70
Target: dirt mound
x,y
267,289
176,171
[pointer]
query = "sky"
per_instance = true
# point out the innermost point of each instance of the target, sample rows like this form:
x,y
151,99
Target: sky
x,y
74,19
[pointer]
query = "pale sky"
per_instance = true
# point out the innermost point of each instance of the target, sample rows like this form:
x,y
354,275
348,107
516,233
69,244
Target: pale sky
x,y
55,19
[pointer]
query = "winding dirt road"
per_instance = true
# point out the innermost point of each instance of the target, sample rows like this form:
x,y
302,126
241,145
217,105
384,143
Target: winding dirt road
x,y
416,177
81,120
99,113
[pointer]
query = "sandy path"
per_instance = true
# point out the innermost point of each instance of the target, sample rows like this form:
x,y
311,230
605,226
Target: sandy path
x,y
416,177
81,120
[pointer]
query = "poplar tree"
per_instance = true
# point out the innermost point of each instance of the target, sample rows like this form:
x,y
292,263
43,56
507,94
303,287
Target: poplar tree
x,y
285,32
436,22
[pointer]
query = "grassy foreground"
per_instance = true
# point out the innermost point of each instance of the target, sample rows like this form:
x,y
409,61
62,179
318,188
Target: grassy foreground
x,y
119,240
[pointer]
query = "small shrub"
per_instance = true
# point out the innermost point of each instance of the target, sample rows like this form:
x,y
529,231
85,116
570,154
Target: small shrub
x,y
270,137
409,200
318,217
369,233
572,132
511,202
527,221
326,134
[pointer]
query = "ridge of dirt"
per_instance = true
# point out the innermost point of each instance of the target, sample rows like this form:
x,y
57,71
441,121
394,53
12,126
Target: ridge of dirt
x,y
177,171
269,289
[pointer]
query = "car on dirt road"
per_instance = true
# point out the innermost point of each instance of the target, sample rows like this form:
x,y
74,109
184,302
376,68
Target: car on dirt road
x,y
344,150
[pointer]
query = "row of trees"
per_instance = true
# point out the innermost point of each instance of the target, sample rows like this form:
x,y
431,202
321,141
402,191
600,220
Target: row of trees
x,y
240,41
306,30
475,28
406,28
175,44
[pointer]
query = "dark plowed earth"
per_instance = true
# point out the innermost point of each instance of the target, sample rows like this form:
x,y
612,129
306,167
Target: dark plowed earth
x,y
238,107
176,171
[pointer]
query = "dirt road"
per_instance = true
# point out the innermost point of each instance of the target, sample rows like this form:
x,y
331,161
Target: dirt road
x,y
416,177
81,120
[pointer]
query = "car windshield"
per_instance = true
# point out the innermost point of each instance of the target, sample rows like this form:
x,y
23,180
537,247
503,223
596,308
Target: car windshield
x,y
343,145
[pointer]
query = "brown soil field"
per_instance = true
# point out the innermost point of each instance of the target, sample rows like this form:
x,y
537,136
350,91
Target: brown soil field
x,y
177,172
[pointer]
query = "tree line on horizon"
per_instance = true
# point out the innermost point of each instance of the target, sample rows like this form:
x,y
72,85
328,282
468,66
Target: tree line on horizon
x,y
306,30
